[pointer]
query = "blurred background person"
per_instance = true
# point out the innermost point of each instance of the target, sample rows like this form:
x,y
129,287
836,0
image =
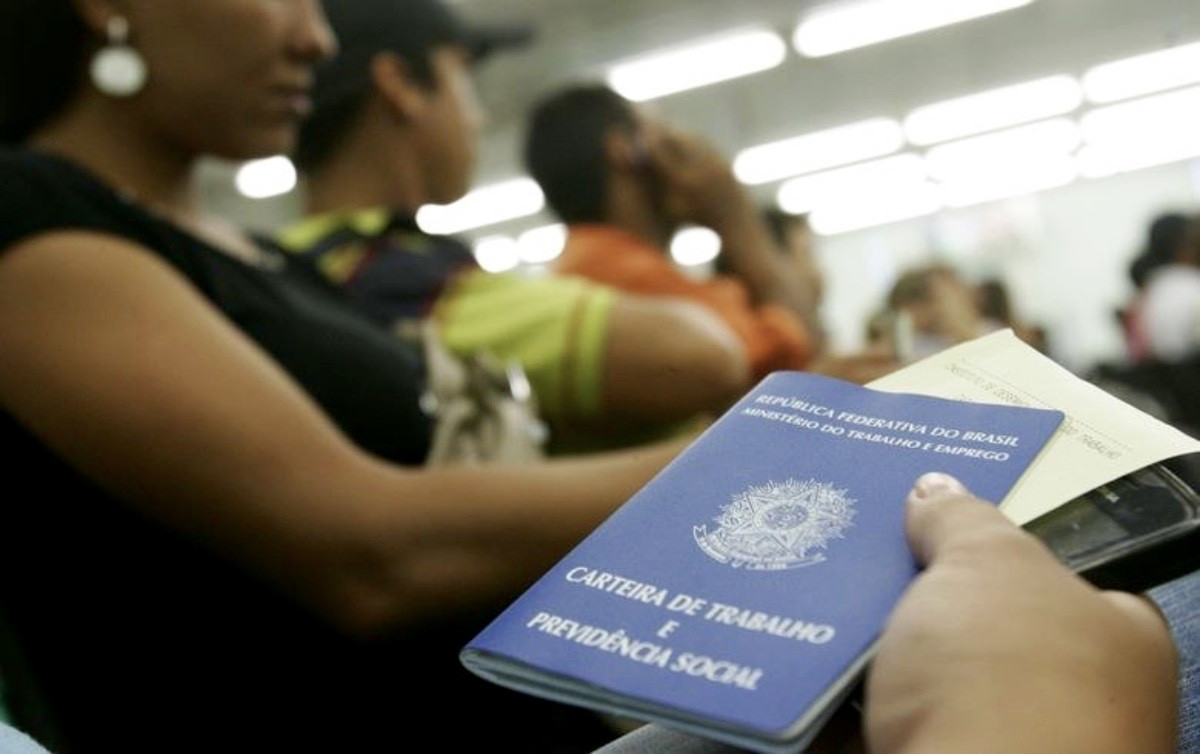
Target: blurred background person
x,y
933,307
624,181
796,240
396,126
1169,306
1160,369
995,305
794,237
1166,235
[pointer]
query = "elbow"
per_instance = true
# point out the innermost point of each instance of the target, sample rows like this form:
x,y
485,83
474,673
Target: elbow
x,y
704,359
360,607
720,371
357,585
367,617
387,587
670,360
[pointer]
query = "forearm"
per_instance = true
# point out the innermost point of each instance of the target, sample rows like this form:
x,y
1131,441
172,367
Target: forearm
x,y
755,258
461,538
702,189
198,430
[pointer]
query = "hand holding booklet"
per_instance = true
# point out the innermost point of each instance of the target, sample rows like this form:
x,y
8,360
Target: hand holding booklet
x,y
738,596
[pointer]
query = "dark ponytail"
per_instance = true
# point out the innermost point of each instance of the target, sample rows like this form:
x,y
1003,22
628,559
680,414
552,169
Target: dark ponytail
x,y
43,52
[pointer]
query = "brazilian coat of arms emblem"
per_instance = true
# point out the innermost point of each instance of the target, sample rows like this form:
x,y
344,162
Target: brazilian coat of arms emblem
x,y
778,525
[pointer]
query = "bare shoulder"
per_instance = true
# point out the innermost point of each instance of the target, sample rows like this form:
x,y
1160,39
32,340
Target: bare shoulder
x,y
69,293
97,332
58,259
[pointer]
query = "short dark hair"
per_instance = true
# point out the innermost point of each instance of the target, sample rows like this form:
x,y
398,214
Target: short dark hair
x,y
565,151
994,300
913,286
44,46
780,222
1163,237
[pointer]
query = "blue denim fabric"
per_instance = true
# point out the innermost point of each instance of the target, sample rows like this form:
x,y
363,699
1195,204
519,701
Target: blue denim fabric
x,y
13,741
1180,601
653,739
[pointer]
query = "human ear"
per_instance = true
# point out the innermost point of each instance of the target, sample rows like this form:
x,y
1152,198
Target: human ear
x,y
394,83
96,13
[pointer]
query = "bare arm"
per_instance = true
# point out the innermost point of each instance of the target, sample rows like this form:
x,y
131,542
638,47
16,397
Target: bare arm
x,y
703,190
116,363
668,360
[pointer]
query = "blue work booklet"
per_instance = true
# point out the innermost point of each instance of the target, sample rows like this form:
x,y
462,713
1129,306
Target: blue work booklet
x,y
739,594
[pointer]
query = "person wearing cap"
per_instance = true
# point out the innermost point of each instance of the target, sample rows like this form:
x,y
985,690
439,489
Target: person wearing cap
x,y
395,126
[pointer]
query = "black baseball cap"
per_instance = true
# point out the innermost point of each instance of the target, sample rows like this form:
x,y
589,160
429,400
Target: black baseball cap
x,y
409,28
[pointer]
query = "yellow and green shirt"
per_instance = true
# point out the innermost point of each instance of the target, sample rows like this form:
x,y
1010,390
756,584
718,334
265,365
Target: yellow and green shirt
x,y
554,326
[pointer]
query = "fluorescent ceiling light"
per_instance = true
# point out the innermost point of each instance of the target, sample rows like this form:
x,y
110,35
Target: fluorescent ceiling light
x,y
1163,117
1143,74
695,246
1021,148
260,179
818,150
542,245
878,210
998,108
497,253
1141,133
510,199
899,174
1020,178
873,193
705,62
840,28
1097,162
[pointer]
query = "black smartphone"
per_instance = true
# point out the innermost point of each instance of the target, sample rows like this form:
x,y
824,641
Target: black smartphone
x,y
1131,534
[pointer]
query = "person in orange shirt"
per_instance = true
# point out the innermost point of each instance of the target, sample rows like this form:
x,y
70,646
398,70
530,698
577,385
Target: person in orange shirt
x,y
624,183
774,337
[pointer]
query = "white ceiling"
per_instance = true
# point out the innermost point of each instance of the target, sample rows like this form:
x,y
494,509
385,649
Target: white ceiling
x,y
576,39
579,37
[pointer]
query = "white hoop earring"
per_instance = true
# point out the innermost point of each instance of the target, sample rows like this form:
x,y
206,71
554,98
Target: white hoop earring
x,y
117,69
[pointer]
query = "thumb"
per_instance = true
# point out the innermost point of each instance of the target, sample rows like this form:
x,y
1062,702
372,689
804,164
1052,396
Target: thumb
x,y
942,514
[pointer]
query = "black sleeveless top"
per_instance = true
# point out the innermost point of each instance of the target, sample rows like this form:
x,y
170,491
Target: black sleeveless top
x,y
136,638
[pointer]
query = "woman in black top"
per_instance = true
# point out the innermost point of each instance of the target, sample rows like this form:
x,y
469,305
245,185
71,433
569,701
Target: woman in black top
x,y
212,538
214,534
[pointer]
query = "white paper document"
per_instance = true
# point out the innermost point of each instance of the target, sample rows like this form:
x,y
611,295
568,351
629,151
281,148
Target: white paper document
x,y
1102,438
